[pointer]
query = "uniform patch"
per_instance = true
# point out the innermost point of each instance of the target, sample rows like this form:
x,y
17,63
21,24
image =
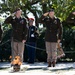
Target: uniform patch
x,y
55,21
22,21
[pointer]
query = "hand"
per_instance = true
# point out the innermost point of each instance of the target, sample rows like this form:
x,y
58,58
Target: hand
x,y
24,41
59,41
73,13
45,14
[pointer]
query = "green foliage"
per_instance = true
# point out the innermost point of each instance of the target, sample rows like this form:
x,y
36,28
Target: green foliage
x,y
5,46
41,53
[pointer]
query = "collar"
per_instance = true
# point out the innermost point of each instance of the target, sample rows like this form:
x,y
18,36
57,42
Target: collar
x,y
17,18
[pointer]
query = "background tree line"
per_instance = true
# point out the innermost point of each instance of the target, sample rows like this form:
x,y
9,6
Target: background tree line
x,y
37,7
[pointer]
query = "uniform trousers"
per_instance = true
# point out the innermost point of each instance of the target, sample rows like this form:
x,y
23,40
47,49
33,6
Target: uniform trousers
x,y
51,50
17,49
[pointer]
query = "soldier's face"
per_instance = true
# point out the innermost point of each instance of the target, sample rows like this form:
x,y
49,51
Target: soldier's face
x,y
19,12
51,13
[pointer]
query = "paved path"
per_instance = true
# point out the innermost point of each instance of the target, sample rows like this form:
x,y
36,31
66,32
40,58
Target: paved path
x,y
40,69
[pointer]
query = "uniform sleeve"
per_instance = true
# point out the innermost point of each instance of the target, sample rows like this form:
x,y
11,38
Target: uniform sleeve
x,y
8,20
42,19
60,30
70,18
25,30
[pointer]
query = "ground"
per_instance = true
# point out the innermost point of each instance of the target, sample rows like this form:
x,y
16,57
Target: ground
x,y
40,68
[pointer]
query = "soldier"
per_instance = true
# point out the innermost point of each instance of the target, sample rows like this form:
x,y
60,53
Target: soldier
x,y
19,33
31,41
52,36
